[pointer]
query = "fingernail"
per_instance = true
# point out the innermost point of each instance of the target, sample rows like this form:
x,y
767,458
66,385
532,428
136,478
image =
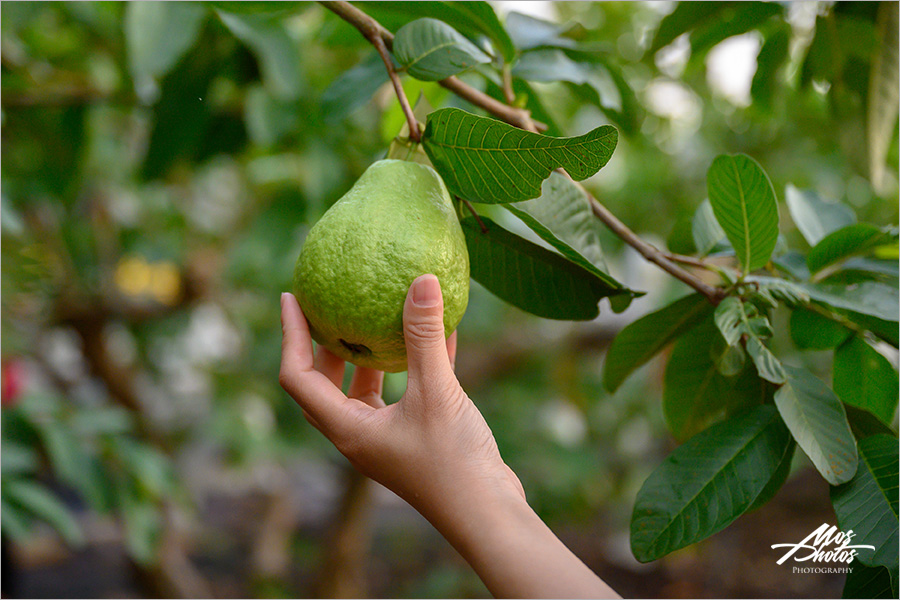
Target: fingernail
x,y
426,291
283,297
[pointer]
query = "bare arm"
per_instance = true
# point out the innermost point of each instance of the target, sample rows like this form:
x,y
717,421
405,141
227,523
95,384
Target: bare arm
x,y
434,449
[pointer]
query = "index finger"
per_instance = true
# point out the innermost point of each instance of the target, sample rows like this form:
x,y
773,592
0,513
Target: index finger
x,y
312,390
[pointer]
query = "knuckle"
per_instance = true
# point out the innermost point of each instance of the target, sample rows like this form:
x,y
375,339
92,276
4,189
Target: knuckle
x,y
286,380
424,333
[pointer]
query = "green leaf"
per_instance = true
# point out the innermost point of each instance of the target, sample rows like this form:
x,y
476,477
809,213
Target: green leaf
x,y
867,504
736,19
472,19
528,32
353,88
868,582
278,55
846,242
695,393
485,160
812,331
708,482
818,422
16,459
482,16
431,50
863,423
733,322
531,277
267,119
772,55
182,116
743,202
563,218
38,501
259,6
14,522
643,339
159,33
729,317
706,231
550,65
883,95
767,365
868,298
814,217
779,477
685,17
864,378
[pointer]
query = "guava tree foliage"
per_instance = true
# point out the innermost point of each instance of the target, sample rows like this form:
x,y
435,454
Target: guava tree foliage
x,y
202,87
740,409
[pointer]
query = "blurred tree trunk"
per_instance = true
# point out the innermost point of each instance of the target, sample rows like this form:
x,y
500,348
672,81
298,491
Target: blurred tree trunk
x,y
343,573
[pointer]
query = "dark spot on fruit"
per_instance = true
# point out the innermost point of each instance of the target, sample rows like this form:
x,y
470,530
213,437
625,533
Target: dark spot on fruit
x,y
356,348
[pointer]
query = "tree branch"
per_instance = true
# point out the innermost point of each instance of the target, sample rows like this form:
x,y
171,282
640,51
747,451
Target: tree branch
x,y
370,28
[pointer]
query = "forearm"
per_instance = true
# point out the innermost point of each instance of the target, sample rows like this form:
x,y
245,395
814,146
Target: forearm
x,y
514,553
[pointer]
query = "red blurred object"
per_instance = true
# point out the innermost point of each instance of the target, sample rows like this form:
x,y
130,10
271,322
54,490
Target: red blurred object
x,y
13,382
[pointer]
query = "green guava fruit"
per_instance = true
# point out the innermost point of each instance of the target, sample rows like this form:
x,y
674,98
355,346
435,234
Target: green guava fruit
x,y
396,223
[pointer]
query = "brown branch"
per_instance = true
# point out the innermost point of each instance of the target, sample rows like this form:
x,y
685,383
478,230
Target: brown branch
x,y
508,85
648,251
369,27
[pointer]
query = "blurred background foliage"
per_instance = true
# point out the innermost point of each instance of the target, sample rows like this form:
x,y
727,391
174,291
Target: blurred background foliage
x,y
162,163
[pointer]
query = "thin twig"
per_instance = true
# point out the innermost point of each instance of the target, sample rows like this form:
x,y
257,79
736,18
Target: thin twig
x,y
508,85
414,134
369,27
471,208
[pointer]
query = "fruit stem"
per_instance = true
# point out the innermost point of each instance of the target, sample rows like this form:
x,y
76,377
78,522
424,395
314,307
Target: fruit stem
x,y
414,134
471,208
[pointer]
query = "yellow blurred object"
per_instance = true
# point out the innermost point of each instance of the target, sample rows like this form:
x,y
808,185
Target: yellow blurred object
x,y
165,283
134,276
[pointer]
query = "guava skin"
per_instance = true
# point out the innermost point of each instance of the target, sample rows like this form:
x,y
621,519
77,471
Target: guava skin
x,y
396,223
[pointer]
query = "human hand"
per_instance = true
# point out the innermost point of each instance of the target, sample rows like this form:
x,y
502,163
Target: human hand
x,y
433,448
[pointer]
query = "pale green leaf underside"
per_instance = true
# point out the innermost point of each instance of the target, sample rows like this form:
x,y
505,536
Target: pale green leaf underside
x,y
485,160
705,230
733,322
708,482
817,420
743,202
159,33
562,217
431,50
814,217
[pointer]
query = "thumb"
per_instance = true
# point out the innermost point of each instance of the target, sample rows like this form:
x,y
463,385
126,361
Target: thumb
x,y
423,329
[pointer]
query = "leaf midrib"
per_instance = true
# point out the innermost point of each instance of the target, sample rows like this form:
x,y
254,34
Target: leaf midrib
x,y
743,202
579,143
887,500
431,51
701,490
